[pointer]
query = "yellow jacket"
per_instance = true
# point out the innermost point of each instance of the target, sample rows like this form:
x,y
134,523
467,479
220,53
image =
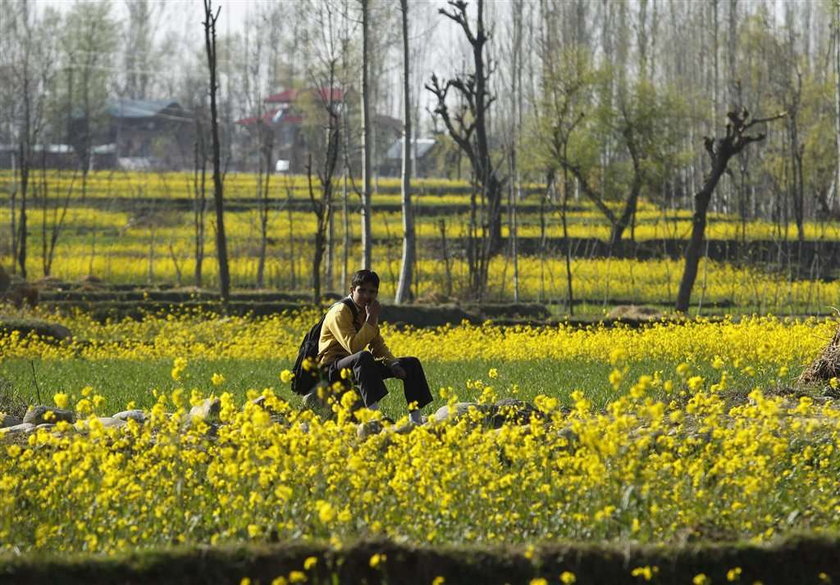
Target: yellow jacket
x,y
341,337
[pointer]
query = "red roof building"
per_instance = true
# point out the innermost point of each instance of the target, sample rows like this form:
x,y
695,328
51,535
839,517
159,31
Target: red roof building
x,y
282,126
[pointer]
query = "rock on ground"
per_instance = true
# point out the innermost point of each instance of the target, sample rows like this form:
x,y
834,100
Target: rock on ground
x,y
46,414
8,420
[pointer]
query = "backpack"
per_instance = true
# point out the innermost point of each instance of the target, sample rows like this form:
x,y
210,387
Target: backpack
x,y
306,372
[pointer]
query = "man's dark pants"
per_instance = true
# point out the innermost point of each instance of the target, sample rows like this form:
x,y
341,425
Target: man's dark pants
x,y
369,374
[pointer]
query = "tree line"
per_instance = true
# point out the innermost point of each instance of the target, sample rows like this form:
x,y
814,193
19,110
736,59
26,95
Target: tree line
x,y
608,101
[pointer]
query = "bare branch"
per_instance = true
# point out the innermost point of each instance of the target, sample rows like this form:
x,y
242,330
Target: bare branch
x,y
459,16
765,120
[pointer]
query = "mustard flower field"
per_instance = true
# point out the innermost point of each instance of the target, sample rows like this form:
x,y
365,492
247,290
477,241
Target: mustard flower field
x,y
140,228
687,431
710,443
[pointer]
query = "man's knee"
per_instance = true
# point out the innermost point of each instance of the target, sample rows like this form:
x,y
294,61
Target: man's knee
x,y
410,363
365,359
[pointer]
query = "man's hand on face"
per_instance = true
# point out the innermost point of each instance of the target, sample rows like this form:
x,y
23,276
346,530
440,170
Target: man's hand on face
x,y
373,309
398,370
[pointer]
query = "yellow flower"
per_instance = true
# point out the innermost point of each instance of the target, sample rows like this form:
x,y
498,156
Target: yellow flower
x,y
701,579
286,376
733,574
538,581
529,552
178,367
377,559
217,379
309,563
326,511
348,400
439,580
61,399
493,373
695,383
645,573
567,578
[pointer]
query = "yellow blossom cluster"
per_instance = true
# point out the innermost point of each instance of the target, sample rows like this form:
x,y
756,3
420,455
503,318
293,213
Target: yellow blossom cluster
x,y
740,345
641,470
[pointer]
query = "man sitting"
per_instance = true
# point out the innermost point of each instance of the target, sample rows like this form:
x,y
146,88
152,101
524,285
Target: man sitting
x,y
351,340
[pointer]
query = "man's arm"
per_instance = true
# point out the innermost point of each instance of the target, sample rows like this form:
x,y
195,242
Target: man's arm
x,y
380,350
339,322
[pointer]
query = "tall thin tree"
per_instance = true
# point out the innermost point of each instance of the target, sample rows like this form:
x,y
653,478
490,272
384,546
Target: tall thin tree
x,y
366,137
210,20
408,246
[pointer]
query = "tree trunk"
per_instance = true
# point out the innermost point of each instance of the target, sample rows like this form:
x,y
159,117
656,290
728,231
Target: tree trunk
x,y
199,200
694,249
408,248
366,140
267,152
218,187
22,223
630,205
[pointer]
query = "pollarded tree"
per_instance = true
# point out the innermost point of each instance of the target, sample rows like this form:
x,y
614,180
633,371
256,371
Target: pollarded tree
x,y
720,151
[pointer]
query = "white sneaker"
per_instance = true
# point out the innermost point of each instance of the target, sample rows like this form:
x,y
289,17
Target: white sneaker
x,y
421,420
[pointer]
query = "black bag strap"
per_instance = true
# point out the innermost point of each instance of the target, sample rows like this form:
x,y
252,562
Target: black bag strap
x,y
349,302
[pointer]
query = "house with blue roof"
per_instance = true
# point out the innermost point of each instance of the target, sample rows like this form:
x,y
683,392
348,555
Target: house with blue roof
x,y
138,135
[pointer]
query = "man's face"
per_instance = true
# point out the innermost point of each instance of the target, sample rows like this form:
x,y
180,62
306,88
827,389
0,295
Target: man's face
x,y
364,293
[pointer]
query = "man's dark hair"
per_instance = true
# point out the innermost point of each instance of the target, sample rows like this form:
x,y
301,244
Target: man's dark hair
x,y
360,277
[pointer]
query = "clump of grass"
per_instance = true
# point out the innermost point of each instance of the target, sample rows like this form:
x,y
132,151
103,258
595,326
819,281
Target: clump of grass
x,y
11,402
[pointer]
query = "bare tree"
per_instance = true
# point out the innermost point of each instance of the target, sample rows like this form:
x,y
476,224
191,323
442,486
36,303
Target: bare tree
x,y
468,127
322,205
52,215
720,151
210,19
262,135
324,109
27,71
